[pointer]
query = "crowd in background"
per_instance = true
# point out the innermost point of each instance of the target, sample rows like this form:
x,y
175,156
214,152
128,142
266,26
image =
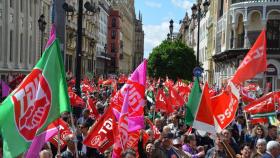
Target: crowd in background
x,y
168,136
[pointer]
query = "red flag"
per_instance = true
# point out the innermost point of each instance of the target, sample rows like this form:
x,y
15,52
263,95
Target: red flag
x,y
101,136
161,104
86,88
183,89
254,62
154,128
176,99
91,106
255,121
265,104
64,131
123,122
224,106
75,100
245,96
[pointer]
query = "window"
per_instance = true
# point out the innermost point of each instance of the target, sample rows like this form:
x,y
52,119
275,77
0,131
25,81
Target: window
x,y
113,34
31,8
11,46
21,48
113,48
11,3
1,42
273,33
89,65
68,63
21,6
30,50
114,22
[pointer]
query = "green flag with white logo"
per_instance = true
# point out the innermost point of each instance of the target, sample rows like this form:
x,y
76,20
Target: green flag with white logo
x,y
39,100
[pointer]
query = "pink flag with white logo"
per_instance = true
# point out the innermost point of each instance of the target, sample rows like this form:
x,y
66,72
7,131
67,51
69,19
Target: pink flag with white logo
x,y
136,98
123,122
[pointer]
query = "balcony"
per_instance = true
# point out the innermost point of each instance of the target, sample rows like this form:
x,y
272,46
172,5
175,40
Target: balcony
x,y
253,3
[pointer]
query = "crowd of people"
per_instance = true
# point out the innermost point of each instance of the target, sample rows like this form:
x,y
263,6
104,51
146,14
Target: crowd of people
x,y
168,136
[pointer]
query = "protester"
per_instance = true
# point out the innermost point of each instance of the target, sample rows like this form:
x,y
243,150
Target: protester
x,y
257,133
129,153
191,148
272,133
272,150
217,151
71,149
245,151
260,148
230,140
45,154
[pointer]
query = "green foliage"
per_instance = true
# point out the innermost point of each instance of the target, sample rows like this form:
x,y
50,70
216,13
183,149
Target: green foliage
x,y
173,59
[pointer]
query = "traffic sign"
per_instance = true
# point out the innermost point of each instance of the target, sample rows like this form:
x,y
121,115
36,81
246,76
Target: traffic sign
x,y
197,71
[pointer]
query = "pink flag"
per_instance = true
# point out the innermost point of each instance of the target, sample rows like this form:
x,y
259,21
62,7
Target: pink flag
x,y
51,37
123,122
39,141
136,99
139,74
5,89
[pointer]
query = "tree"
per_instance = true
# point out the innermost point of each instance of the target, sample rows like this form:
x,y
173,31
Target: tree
x,y
173,59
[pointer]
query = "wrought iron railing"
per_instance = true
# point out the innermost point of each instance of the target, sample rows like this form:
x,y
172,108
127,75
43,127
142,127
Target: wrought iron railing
x,y
253,1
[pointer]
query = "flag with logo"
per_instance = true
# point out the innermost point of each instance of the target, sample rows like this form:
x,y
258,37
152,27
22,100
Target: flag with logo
x,y
254,62
224,106
39,100
136,99
75,100
100,135
64,130
198,109
265,104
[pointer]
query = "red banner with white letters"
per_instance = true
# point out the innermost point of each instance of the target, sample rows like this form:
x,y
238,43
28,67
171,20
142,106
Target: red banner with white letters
x,y
224,107
254,62
101,134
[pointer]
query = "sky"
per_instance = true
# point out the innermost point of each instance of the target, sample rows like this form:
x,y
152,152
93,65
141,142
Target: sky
x,y
156,15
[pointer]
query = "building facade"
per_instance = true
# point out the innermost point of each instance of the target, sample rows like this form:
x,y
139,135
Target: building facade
x,y
127,35
19,36
115,45
238,26
102,57
139,42
89,39
231,28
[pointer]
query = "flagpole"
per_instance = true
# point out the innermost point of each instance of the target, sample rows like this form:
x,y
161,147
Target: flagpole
x,y
154,115
75,134
58,141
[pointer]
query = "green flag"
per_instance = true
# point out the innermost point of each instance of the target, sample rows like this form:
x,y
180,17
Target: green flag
x,y
193,102
150,96
39,100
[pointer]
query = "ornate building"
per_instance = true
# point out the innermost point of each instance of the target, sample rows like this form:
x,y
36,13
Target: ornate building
x,y
127,14
19,35
114,45
139,42
239,24
102,57
89,40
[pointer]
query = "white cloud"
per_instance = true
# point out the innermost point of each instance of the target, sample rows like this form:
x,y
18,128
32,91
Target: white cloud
x,y
184,4
153,4
155,34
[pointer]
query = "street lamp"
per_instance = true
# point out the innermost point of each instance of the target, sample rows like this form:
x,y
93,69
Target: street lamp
x,y
105,64
197,14
90,8
171,29
42,26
